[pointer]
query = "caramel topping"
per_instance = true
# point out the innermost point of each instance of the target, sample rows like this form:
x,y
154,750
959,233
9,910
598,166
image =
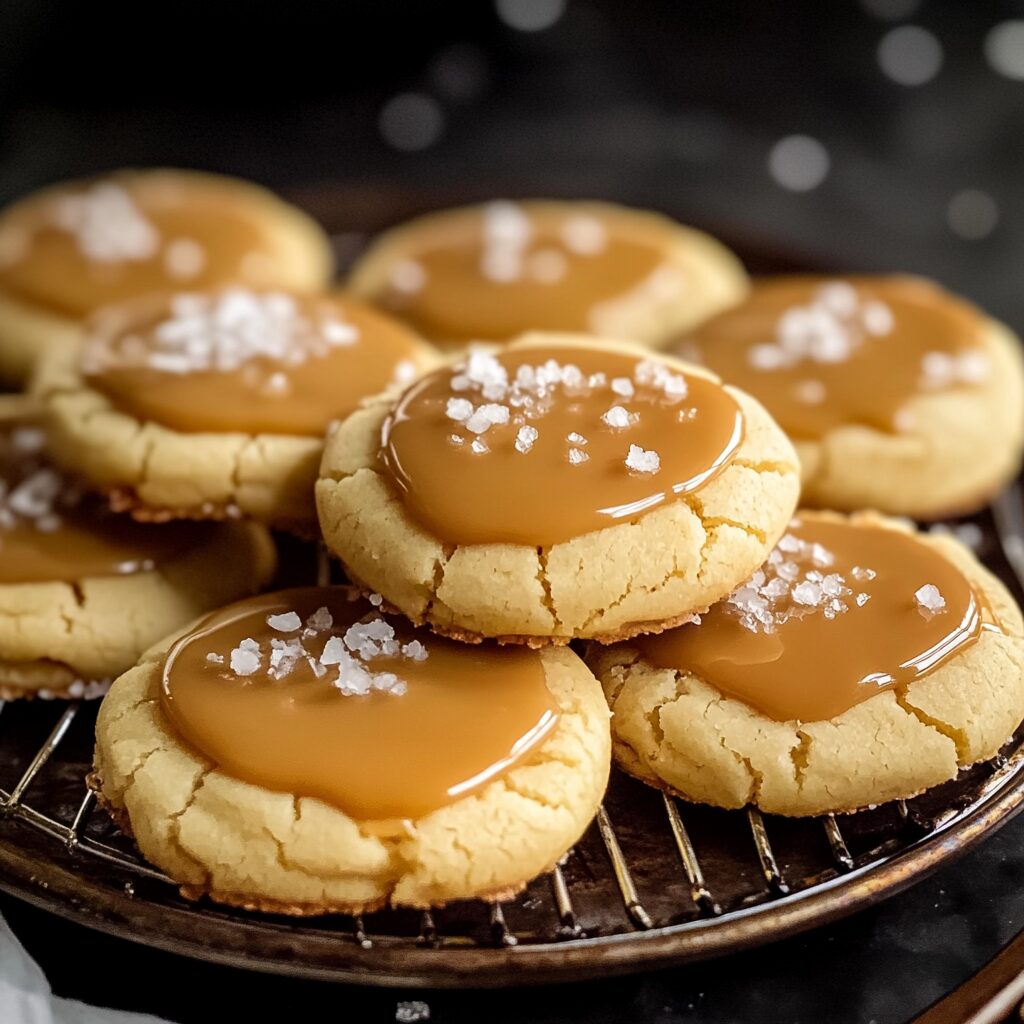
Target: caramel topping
x,y
237,360
538,445
309,692
839,613
495,271
50,532
824,354
84,245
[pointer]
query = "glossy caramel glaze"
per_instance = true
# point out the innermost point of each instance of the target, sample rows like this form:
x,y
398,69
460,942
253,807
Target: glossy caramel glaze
x,y
77,247
241,360
538,445
841,612
495,271
382,721
823,353
51,532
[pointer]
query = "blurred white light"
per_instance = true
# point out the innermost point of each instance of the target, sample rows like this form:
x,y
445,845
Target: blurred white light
x,y
1004,48
411,121
798,163
459,72
972,214
910,55
890,10
530,15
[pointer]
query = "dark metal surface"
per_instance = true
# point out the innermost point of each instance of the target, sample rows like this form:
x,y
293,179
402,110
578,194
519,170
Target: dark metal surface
x,y
653,882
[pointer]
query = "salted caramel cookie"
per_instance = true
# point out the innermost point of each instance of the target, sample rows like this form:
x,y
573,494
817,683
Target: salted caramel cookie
x,y
302,753
561,488
71,249
863,663
492,272
214,404
898,395
84,592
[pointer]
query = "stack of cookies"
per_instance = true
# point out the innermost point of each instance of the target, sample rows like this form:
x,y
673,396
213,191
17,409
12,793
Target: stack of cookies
x,y
532,435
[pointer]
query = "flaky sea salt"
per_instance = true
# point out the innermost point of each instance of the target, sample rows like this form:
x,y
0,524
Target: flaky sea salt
x,y
643,461
215,659
107,224
245,658
322,619
616,417
459,409
577,456
287,622
623,386
929,599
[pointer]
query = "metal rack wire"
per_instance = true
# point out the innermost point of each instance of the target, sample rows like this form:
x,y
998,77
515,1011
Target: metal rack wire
x,y
654,879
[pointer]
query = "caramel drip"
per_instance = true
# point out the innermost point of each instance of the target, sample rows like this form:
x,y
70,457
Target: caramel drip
x,y
264,395
495,272
177,231
928,331
467,716
812,668
541,496
76,538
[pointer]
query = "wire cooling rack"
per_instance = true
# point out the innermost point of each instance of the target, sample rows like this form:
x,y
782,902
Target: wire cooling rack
x,y
653,881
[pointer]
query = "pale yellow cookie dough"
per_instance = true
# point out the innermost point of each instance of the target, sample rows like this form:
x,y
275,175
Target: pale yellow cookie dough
x,y
157,473
678,733
960,448
606,585
297,255
69,640
714,277
250,847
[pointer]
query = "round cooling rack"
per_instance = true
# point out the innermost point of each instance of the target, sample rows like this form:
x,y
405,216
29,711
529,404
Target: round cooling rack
x,y
654,881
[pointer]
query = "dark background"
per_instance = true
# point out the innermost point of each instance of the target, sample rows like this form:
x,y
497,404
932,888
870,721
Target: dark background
x,y
909,155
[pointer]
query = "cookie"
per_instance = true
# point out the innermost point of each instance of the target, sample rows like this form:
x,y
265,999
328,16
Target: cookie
x,y
209,405
898,395
84,592
864,663
494,271
73,248
302,753
562,488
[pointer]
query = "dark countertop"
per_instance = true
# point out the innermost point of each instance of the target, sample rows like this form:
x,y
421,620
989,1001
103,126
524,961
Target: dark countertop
x,y
883,965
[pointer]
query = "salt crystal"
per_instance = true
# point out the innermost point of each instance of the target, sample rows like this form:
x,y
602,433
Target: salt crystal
x,y
929,599
244,660
407,276
807,593
415,650
766,357
525,438
459,409
643,461
577,456
287,622
878,318
584,235
789,543
616,417
862,599
623,386
821,556
215,659
333,651
860,574
486,416
376,600
479,447
838,296
577,439
321,619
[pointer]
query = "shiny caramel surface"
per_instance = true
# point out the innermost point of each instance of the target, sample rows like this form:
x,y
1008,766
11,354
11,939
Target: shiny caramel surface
x,y
493,272
260,362
51,532
360,710
840,613
87,244
823,353
538,445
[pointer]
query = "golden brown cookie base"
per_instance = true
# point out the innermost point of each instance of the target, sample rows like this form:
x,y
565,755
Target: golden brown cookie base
x,y
125,500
